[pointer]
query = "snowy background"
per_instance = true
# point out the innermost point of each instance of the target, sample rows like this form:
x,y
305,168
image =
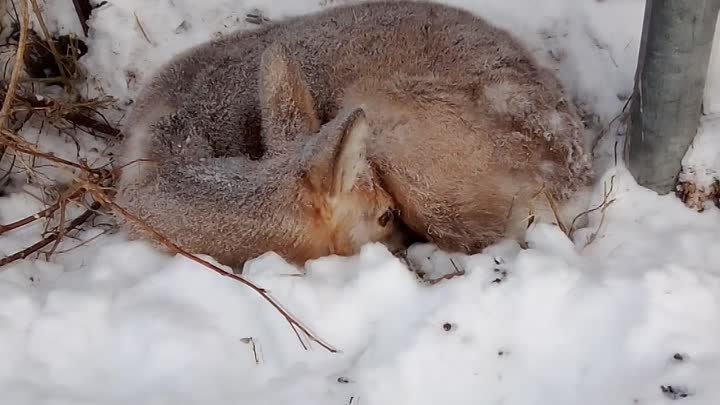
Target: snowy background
x,y
628,312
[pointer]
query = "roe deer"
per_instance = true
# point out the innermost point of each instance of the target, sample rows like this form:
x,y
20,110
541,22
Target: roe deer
x,y
321,197
461,126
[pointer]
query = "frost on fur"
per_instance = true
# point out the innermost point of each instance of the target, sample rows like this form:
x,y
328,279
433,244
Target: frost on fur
x,y
424,100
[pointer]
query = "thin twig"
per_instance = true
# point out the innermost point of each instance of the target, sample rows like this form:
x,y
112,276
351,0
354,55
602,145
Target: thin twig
x,y
594,235
606,203
251,341
70,112
606,196
42,214
9,138
295,324
60,232
606,128
64,71
142,29
17,70
531,205
83,243
556,212
10,169
94,182
52,237
83,10
18,67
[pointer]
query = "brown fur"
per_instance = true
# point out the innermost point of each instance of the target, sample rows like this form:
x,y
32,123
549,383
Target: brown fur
x,y
465,127
316,199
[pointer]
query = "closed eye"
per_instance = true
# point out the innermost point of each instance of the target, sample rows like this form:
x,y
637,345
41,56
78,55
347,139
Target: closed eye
x,y
385,218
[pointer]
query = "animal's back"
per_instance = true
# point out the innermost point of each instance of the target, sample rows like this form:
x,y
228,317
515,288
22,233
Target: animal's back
x,y
463,173
216,83
505,111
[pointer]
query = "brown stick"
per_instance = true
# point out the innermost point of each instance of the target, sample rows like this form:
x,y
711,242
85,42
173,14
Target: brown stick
x,y
12,140
96,188
556,212
52,237
48,38
42,214
88,122
19,64
16,72
295,324
74,117
83,10
605,203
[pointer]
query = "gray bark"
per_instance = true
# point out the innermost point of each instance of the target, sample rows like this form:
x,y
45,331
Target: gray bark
x,y
672,67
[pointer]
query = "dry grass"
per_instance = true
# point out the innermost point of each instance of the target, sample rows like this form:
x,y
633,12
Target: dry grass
x,y
603,206
696,197
91,187
572,228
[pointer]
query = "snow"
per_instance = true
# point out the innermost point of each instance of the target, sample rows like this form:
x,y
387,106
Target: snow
x,y
59,16
627,312
131,38
702,162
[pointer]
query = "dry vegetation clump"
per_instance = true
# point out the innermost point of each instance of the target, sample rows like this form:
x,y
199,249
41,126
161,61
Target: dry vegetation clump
x,y
695,196
36,65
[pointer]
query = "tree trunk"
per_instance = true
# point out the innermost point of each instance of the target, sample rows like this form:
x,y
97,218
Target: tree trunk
x,y
672,67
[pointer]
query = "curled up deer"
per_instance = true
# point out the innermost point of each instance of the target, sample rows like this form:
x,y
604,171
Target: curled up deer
x,y
371,122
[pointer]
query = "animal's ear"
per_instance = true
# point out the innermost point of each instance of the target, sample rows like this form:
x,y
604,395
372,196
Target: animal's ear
x,y
350,155
286,103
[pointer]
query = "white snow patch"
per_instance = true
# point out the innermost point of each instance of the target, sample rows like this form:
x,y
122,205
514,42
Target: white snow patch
x,y
131,38
557,322
60,17
110,321
701,163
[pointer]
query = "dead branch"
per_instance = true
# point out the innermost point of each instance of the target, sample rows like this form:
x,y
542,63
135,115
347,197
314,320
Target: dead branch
x,y
9,139
71,112
17,70
604,205
556,212
295,324
96,185
41,64
85,242
91,124
251,341
52,237
94,181
605,202
42,214
64,71
60,230
18,67
531,205
142,29
255,16
83,10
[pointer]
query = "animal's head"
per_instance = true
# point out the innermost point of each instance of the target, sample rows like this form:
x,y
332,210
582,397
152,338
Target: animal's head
x,y
340,188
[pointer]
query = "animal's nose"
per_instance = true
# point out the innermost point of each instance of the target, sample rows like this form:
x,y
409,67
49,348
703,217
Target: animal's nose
x,y
404,237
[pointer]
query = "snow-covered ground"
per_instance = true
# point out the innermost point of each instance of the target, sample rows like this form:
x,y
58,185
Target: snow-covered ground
x,y
626,313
